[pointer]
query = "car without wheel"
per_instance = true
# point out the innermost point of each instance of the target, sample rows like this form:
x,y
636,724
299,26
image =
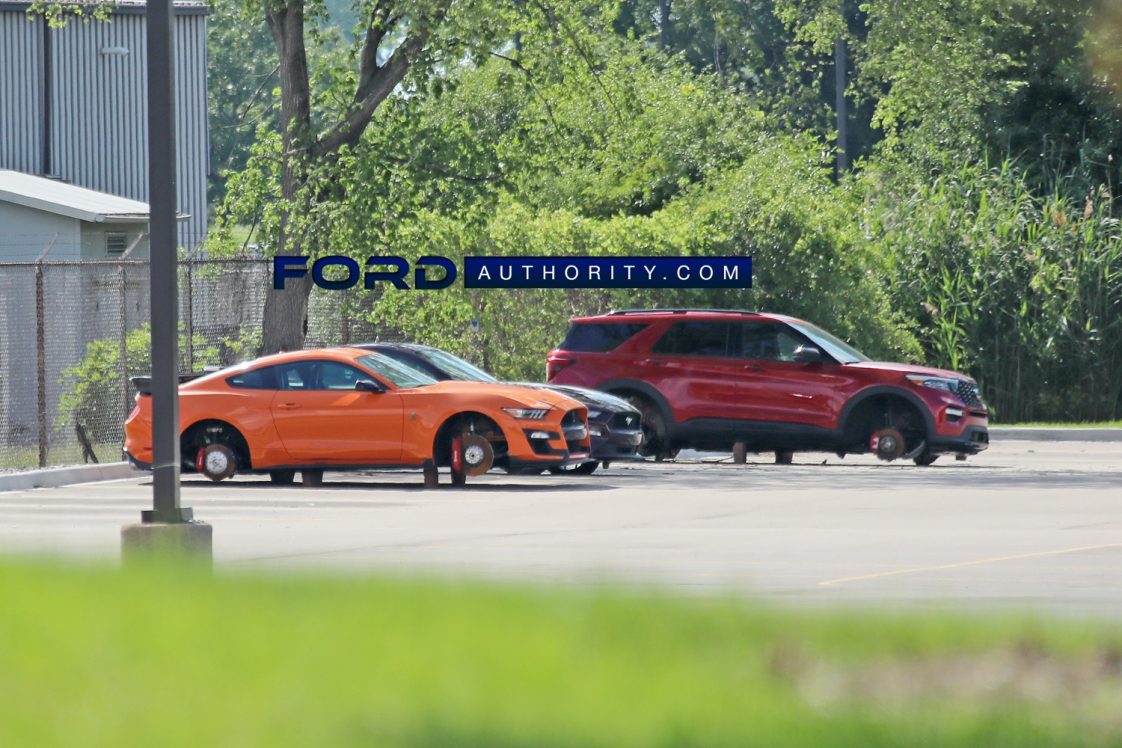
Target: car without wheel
x,y
614,424
750,381
348,409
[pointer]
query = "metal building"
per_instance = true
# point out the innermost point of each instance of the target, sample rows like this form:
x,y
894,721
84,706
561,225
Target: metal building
x,y
73,103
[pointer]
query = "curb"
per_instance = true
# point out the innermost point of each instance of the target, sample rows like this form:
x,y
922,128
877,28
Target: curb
x,y
1054,434
62,476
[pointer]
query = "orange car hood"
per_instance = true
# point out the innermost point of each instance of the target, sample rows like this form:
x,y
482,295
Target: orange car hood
x,y
526,396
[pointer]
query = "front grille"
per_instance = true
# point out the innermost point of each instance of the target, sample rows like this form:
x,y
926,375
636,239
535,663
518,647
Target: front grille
x,y
574,430
626,422
572,418
968,393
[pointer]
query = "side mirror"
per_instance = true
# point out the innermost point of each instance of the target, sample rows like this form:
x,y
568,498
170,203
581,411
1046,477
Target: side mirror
x,y
808,354
368,385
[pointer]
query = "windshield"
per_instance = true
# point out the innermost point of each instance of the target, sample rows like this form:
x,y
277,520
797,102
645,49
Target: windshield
x,y
454,366
401,375
839,349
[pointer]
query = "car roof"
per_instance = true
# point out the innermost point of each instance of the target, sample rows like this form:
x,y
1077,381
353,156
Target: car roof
x,y
650,315
339,353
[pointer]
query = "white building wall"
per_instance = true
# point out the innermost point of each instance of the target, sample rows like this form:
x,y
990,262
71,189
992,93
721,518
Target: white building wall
x,y
26,232
99,118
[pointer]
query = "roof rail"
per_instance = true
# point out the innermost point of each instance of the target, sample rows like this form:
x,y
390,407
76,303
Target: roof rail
x,y
677,310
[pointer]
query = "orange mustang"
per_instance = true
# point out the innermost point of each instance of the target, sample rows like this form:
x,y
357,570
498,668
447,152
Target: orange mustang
x,y
346,408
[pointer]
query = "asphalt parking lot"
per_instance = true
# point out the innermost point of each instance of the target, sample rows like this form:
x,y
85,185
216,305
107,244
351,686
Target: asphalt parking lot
x,y
1026,525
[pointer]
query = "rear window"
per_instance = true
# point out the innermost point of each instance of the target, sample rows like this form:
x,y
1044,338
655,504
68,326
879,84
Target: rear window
x,y
264,378
599,337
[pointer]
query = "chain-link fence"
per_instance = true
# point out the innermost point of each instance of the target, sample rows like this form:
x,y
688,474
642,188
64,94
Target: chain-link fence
x,y
72,333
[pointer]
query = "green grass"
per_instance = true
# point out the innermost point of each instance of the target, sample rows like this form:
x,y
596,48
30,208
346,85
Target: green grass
x,y
100,657
27,458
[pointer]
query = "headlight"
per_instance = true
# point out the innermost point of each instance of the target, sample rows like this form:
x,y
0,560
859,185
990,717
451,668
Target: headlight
x,y
594,414
935,383
526,414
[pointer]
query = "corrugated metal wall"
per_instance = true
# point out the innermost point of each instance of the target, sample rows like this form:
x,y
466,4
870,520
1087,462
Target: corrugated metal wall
x,y
99,127
21,91
191,125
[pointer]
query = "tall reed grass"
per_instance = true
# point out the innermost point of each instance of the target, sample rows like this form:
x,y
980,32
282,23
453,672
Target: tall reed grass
x,y
1022,291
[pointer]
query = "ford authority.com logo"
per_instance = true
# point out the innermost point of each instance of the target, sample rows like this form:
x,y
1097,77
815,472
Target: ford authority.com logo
x,y
432,272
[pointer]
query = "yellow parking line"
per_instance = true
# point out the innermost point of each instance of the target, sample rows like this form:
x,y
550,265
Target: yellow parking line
x,y
962,564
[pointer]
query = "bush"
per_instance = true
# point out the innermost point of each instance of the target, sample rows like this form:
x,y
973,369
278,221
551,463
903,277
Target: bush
x,y
95,396
1023,292
779,206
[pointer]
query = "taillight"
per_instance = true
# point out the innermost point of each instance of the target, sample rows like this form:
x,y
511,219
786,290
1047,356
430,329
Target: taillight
x,y
554,365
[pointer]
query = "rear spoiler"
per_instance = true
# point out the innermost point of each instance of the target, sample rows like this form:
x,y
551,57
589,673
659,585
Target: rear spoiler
x,y
143,384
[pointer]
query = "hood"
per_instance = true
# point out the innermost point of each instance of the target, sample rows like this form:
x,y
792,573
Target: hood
x,y
530,397
906,369
593,398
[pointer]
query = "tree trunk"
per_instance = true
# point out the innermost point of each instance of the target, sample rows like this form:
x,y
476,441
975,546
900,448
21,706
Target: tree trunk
x,y
285,321
664,24
284,324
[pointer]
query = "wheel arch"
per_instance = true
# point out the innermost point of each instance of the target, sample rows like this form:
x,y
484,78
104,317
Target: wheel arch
x,y
869,393
442,439
239,443
616,386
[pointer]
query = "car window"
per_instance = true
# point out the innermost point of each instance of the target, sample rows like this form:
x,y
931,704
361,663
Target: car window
x,y
841,351
453,366
297,376
598,338
336,376
694,339
264,378
769,341
397,372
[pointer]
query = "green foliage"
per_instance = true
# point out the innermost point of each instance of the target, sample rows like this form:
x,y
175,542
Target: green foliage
x,y
308,660
574,134
59,14
242,74
93,395
1024,292
779,206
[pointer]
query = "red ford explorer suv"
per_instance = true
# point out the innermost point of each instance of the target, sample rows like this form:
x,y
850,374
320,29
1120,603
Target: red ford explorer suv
x,y
748,381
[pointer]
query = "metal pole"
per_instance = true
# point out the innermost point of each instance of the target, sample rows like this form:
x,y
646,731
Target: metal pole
x,y
41,361
122,332
165,312
190,326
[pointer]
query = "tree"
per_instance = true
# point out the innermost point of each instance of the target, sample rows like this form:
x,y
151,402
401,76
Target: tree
x,y
242,72
325,114
395,38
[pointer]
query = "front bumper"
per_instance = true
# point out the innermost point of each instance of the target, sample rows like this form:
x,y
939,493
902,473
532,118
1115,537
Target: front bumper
x,y
616,435
611,445
972,440
960,426
548,444
542,462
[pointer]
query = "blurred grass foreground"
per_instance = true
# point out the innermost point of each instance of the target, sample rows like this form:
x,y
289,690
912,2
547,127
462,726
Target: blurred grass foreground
x,y
104,657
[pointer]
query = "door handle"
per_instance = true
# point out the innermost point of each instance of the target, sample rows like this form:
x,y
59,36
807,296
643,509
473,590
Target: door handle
x,y
287,406
654,362
753,367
